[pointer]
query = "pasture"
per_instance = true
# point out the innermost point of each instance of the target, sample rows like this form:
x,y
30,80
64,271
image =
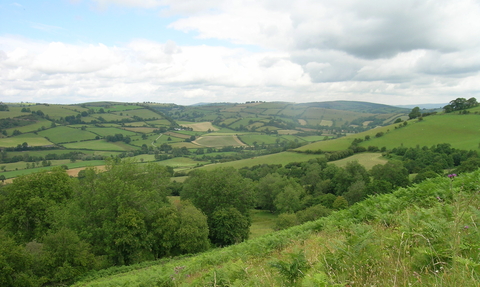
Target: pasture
x,y
63,134
100,145
33,127
143,113
367,159
250,139
463,133
218,141
262,223
278,158
30,138
199,127
103,132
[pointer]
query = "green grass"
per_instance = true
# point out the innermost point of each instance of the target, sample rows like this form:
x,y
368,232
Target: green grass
x,y
39,125
263,222
461,131
159,123
100,145
63,134
217,141
30,138
180,162
407,238
249,139
103,132
367,159
278,158
143,113
13,112
21,166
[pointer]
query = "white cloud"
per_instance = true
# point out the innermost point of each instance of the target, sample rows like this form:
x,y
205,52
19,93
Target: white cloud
x,y
308,50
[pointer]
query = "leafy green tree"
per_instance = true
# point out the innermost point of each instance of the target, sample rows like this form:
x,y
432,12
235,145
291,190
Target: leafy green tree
x,y
30,201
219,189
415,113
192,234
15,264
340,203
228,226
178,230
392,172
285,220
267,190
113,208
289,200
312,213
65,256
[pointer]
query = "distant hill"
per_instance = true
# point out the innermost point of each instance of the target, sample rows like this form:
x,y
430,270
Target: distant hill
x,y
423,106
361,107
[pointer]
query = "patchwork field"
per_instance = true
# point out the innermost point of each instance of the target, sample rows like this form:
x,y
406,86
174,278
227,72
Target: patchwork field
x,y
219,141
63,134
30,138
199,127
100,145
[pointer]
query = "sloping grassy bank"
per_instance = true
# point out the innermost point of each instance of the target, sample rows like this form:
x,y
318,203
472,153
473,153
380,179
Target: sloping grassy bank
x,y
425,235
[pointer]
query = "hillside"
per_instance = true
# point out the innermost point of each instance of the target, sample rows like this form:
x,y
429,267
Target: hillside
x,y
424,235
38,136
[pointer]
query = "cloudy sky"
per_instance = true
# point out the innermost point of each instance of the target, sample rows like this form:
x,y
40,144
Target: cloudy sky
x,y
191,51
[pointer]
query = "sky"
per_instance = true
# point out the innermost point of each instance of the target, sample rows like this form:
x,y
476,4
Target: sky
x,y
195,51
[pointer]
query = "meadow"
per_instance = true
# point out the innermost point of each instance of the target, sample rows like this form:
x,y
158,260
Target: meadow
x,y
63,134
100,145
218,141
463,132
103,132
30,138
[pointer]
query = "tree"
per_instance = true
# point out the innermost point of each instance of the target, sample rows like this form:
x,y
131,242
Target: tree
x,y
222,188
65,255
415,113
340,203
392,172
30,201
228,226
113,209
15,264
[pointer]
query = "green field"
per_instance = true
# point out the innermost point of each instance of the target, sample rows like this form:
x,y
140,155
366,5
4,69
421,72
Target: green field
x,y
262,223
100,145
277,158
63,134
461,131
143,113
30,138
367,159
249,139
103,132
36,126
13,112
217,141
21,166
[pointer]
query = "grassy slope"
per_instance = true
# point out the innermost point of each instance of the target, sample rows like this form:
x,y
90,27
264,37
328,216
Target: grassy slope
x,y
425,235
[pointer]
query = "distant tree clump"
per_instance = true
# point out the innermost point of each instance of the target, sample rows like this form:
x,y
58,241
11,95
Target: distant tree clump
x,y
460,104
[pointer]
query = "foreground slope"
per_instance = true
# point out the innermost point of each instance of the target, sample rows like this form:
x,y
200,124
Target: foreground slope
x,y
425,235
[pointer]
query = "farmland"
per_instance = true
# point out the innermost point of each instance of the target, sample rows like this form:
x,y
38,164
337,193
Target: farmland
x,y
258,130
